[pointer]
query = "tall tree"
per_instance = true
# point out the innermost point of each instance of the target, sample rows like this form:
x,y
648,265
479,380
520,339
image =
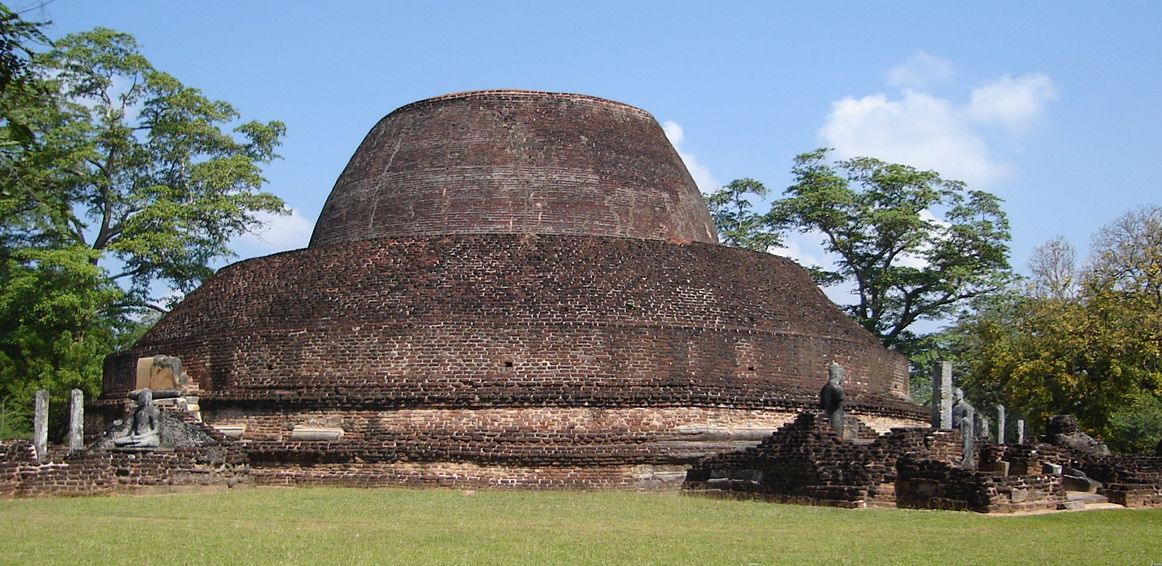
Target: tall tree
x,y
128,182
138,167
880,220
735,219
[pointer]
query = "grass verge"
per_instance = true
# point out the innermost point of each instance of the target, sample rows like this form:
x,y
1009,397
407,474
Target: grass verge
x,y
395,526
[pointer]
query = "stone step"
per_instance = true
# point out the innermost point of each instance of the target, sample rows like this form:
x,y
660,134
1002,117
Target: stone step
x,y
1086,497
1083,501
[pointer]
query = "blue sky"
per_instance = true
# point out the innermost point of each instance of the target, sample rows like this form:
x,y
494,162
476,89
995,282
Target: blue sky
x,y
1054,106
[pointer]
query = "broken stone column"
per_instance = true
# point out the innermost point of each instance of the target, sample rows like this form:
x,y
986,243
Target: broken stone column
x,y
1000,424
942,395
1020,431
40,425
76,420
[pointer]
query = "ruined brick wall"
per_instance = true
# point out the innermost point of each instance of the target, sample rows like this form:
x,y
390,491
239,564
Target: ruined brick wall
x,y
94,472
932,484
805,462
1133,480
512,320
515,162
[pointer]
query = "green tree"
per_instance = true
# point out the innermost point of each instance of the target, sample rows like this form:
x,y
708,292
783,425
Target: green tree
x,y
58,320
738,225
129,182
879,219
141,169
17,37
1091,348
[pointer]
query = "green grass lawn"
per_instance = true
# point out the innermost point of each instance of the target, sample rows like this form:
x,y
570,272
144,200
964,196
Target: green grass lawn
x,y
390,526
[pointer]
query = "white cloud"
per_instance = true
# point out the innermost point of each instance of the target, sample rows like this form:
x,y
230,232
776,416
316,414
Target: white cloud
x,y
918,129
280,233
701,173
804,249
920,71
1013,103
930,132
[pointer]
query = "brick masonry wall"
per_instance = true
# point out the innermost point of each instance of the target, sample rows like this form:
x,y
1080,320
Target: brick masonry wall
x,y
514,320
94,472
515,162
933,484
805,462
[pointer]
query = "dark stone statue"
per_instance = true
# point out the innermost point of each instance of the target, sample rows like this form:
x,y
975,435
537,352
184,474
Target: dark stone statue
x,y
968,447
145,430
962,409
1062,430
831,398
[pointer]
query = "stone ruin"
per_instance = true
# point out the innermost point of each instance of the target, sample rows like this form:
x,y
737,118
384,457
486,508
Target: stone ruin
x,y
159,444
937,467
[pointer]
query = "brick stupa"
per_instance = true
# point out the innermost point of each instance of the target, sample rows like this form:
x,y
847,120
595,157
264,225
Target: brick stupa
x,y
512,289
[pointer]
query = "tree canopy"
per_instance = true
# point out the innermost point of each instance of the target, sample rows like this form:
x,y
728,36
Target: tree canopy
x,y
738,225
880,221
1084,340
117,182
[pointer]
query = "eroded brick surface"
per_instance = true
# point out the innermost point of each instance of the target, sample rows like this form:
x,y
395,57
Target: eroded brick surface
x,y
515,162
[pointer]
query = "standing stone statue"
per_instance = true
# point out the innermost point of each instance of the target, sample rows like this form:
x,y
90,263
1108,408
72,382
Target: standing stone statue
x,y
966,438
145,430
1020,431
831,398
942,396
961,409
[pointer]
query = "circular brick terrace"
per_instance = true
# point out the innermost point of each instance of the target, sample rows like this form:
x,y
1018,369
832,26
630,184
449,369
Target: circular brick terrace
x,y
490,320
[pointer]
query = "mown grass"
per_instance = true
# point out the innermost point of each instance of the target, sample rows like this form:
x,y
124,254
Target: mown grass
x,y
390,526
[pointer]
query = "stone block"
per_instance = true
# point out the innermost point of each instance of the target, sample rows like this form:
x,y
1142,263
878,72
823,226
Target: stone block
x,y
316,433
232,431
158,373
144,372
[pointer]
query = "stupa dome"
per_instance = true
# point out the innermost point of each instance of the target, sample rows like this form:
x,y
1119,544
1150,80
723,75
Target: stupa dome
x,y
518,289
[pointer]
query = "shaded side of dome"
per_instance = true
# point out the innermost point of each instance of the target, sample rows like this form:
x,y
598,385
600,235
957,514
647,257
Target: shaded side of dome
x,y
515,162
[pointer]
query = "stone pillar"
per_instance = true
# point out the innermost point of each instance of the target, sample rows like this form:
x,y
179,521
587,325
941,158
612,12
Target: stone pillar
x,y
942,395
1020,431
40,425
76,420
1000,424
966,438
